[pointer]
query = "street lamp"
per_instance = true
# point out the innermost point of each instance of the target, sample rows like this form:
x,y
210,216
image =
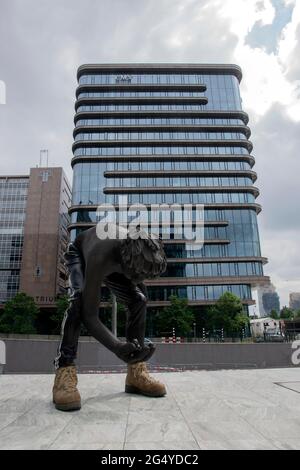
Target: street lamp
x,y
114,314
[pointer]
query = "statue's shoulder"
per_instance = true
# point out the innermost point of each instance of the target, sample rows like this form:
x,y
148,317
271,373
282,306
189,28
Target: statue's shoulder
x,y
85,236
91,244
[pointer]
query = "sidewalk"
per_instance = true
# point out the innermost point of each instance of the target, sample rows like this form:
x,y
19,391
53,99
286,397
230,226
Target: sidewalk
x,y
228,409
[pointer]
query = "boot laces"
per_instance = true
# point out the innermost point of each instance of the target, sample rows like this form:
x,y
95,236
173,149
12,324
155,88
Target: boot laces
x,y
140,371
68,379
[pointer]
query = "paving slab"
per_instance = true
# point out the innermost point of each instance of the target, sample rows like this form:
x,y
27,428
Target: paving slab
x,y
224,409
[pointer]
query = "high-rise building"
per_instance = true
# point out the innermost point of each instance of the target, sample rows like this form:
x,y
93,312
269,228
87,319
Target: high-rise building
x,y
172,133
294,300
13,198
267,299
33,234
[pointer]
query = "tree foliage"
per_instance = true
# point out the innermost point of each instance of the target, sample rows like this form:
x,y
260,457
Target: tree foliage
x,y
286,313
228,313
297,314
177,315
274,314
19,315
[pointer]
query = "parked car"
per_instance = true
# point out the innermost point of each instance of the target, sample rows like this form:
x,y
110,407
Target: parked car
x,y
275,338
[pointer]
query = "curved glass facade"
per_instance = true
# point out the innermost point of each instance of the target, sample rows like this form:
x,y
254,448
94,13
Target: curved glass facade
x,y
138,94
165,198
151,121
98,168
140,107
222,91
159,136
150,181
213,269
134,141
160,150
210,292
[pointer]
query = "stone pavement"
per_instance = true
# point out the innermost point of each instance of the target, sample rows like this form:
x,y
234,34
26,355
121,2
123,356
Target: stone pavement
x,y
227,409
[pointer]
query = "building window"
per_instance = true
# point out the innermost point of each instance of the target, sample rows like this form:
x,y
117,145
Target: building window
x,y
38,271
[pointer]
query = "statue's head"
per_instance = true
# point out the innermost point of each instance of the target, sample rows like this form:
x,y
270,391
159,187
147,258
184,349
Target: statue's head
x,y
142,256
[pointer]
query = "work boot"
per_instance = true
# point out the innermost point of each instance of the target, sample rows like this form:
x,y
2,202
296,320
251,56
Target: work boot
x,y
65,394
139,381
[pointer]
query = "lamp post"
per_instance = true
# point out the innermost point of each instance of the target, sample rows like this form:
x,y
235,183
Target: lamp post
x,y
194,325
114,315
265,331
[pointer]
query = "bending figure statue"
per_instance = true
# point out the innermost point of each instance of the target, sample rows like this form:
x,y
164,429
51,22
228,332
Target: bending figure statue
x,y
122,264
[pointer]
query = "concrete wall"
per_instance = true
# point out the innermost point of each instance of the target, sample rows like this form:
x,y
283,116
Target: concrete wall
x,y
2,356
36,356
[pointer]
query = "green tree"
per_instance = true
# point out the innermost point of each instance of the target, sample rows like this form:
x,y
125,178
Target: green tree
x,y
274,314
297,314
178,315
286,313
228,313
62,304
19,315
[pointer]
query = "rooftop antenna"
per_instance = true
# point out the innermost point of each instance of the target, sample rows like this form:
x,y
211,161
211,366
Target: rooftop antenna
x,y
44,152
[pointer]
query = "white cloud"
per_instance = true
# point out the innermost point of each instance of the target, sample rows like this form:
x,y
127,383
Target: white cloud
x,y
264,81
265,75
244,14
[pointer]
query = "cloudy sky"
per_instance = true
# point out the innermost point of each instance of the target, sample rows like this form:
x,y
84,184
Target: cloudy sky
x,y
42,42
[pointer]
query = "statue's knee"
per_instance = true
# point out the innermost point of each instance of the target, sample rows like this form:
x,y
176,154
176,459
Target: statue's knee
x,y
141,298
75,294
74,308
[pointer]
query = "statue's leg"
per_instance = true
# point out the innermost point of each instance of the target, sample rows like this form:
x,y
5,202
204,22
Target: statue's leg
x,y
134,297
70,328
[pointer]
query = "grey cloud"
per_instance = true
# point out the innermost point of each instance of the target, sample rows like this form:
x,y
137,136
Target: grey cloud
x,y
276,141
43,43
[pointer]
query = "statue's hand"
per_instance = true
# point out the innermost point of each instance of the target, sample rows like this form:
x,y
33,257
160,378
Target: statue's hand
x,y
132,352
149,349
127,350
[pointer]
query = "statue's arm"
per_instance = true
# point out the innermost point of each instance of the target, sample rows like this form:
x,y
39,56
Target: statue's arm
x,y
129,351
90,312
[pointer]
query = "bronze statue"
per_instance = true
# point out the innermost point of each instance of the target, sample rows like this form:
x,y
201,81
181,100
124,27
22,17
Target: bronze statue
x,y
122,264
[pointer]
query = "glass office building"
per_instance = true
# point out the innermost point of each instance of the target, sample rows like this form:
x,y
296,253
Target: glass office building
x,y
165,134
13,199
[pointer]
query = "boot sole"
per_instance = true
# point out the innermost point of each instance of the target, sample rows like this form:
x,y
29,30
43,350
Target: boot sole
x,y
137,391
68,406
